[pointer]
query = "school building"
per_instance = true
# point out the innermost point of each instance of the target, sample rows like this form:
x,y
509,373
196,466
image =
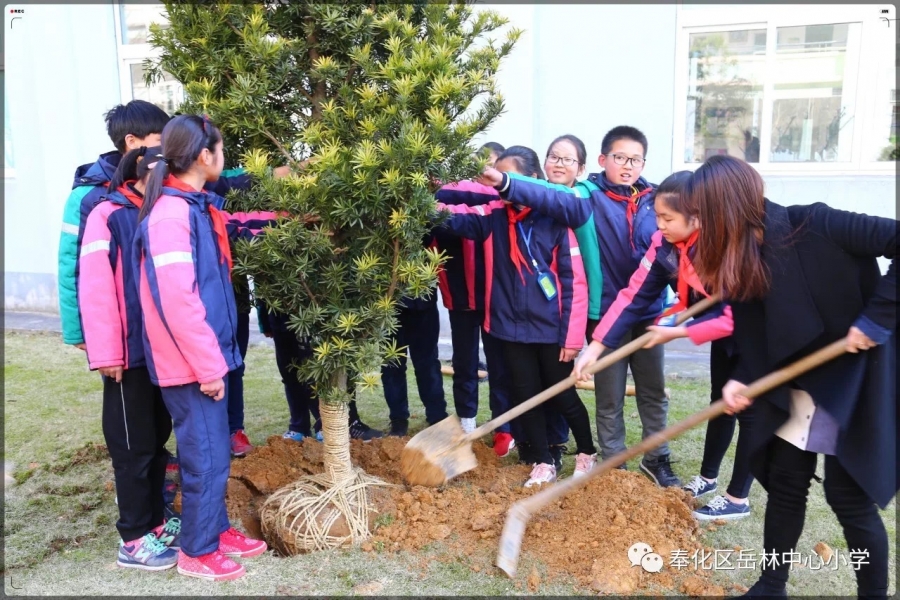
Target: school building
x,y
805,93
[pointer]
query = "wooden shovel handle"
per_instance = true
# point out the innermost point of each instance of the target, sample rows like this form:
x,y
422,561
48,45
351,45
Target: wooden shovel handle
x,y
599,365
757,388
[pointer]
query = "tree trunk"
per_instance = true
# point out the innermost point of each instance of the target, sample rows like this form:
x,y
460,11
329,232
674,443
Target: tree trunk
x,y
336,429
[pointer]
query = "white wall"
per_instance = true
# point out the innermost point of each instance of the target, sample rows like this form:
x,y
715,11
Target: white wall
x,y
579,69
61,76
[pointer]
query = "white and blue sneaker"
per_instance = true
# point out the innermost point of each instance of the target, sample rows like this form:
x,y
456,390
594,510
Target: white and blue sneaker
x,y
699,486
320,437
294,435
721,507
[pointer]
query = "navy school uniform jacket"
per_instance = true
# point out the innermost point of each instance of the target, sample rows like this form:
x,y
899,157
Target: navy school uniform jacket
x,y
517,311
462,278
620,253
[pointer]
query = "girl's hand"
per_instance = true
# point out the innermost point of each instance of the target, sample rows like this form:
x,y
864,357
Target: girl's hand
x,y
731,394
661,335
112,372
214,389
857,340
491,177
589,356
567,354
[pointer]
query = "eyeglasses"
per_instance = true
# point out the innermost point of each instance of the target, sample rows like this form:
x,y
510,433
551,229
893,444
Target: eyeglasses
x,y
565,160
621,159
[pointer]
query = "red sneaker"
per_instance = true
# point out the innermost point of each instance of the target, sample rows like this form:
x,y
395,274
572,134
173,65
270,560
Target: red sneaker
x,y
236,544
214,566
503,443
240,445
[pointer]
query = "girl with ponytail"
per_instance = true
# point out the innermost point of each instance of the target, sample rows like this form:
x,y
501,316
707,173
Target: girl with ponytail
x,y
183,258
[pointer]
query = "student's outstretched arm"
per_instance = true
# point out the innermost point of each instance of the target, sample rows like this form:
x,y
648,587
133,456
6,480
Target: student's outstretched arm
x,y
471,222
103,333
573,293
631,304
559,202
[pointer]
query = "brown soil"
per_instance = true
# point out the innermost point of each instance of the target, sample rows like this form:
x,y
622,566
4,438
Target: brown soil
x,y
585,536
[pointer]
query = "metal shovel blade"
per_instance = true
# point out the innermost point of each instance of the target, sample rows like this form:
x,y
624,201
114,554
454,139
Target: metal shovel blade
x,y
437,454
511,539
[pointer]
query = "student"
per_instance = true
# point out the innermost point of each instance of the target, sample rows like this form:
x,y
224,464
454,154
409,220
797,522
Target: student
x,y
188,306
291,352
136,423
618,204
799,278
536,307
461,282
129,127
419,330
668,258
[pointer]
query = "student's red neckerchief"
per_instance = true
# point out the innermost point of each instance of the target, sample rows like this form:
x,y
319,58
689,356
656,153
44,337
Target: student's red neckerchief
x,y
632,204
217,216
515,254
126,190
686,274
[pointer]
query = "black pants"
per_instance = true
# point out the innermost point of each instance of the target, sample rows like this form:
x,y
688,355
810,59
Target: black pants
x,y
302,401
789,471
235,397
533,368
720,431
136,426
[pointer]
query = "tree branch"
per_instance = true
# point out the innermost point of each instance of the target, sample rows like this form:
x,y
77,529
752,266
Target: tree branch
x,y
284,151
393,285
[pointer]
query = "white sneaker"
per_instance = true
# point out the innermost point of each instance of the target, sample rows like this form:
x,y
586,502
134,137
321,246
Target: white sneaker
x,y
541,473
583,464
468,425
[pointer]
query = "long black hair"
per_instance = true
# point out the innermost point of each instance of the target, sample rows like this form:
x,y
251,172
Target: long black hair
x,y
134,165
183,139
526,160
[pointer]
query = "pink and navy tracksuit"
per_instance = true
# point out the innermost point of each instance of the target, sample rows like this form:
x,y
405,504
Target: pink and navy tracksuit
x,y
521,250
136,423
657,269
182,254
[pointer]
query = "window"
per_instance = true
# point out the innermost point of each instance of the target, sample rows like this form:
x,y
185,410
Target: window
x,y
9,165
133,35
805,89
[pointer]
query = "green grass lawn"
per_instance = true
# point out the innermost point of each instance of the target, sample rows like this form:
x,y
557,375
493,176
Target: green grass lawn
x,y
59,532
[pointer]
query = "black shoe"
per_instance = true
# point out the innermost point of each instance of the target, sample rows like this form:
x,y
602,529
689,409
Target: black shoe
x,y
361,431
556,452
765,588
660,471
399,428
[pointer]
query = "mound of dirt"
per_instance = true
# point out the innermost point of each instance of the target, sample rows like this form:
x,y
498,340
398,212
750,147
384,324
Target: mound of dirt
x,y
586,535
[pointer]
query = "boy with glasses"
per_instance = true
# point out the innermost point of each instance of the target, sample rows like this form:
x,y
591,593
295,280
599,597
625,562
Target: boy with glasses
x,y
618,204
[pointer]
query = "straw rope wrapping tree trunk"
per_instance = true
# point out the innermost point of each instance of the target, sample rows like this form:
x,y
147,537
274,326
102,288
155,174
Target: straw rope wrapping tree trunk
x,y
372,106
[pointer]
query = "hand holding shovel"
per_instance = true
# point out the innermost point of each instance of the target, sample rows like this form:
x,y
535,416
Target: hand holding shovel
x,y
441,452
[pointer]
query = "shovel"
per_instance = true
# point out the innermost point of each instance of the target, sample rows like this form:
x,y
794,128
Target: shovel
x,y
441,452
520,512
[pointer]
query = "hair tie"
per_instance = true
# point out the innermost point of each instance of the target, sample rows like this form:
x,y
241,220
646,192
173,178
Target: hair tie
x,y
162,158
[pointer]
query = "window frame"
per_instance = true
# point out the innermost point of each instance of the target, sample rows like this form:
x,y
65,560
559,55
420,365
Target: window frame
x,y
868,70
129,54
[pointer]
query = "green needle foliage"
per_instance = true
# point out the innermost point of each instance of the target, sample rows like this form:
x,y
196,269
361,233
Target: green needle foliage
x,y
372,105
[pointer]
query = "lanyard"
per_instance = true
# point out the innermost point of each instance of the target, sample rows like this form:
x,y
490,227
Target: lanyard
x,y
527,238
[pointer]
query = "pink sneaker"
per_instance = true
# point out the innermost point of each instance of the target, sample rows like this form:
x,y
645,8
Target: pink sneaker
x,y
583,464
540,474
214,566
503,443
240,444
236,544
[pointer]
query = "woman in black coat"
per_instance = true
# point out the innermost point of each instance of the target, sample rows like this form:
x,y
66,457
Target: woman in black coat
x,y
799,278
